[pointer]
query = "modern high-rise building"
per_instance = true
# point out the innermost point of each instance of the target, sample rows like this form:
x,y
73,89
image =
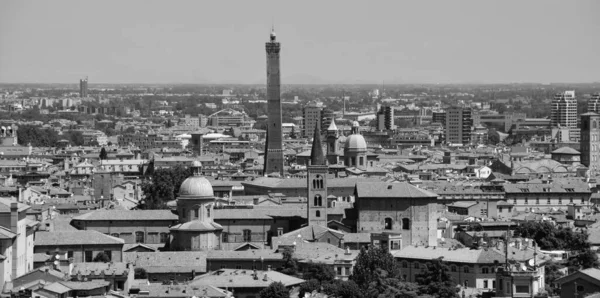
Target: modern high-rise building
x,y
385,118
459,122
274,143
564,110
589,142
312,114
594,103
83,87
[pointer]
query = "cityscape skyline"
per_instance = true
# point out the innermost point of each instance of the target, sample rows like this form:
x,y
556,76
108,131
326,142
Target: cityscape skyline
x,y
394,42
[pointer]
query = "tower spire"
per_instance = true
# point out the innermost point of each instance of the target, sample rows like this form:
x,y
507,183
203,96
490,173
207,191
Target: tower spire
x,y
316,153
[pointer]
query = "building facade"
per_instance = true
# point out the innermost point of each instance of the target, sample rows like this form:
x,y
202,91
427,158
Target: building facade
x,y
590,141
458,125
564,110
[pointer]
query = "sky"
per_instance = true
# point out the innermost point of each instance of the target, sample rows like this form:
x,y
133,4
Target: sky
x,y
329,42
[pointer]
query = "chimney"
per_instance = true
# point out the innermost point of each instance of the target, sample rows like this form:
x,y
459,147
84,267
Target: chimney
x,y
255,201
269,268
265,278
342,243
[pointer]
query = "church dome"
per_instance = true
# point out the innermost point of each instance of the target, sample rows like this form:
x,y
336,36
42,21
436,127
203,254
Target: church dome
x,y
196,186
355,142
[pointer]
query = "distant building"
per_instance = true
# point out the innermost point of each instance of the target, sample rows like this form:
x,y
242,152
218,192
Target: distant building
x,y
312,114
564,110
385,118
590,141
594,103
458,125
83,87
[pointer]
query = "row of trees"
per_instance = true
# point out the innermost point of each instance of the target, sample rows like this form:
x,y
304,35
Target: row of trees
x,y
46,137
376,275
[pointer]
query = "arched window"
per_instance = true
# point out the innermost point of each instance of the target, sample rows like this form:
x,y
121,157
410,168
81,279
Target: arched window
x,y
196,212
387,223
406,224
593,124
208,211
318,182
318,213
318,201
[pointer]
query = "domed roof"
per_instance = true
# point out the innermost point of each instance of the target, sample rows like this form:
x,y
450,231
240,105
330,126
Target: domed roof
x,y
196,186
196,163
355,142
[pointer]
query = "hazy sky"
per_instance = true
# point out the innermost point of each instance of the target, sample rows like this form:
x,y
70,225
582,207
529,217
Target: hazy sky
x,y
345,41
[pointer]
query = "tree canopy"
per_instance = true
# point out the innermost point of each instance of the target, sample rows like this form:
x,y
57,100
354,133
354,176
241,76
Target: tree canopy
x,y
101,257
275,290
103,154
162,186
549,237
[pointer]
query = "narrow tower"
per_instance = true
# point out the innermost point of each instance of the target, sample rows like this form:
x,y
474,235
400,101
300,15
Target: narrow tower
x,y
317,184
273,146
332,143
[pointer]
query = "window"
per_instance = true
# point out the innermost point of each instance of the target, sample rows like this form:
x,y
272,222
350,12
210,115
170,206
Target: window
x,y
318,182
279,231
196,211
537,201
238,266
208,211
484,270
560,201
404,264
225,237
580,288
89,255
406,224
183,213
339,270
416,265
108,253
466,283
69,254
116,235
318,213
387,223
548,201
526,201
164,237
247,236
318,201
466,269
453,268
139,237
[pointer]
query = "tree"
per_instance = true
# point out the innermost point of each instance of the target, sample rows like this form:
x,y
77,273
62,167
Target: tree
x,y
103,154
309,286
549,237
290,264
36,136
140,273
583,260
369,261
275,290
551,273
320,272
293,132
342,289
437,281
101,257
162,186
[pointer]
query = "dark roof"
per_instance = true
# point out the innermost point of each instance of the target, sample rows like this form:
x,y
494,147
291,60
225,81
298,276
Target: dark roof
x,y
316,153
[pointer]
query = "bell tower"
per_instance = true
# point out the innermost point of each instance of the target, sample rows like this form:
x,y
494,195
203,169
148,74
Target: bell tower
x,y
317,184
332,143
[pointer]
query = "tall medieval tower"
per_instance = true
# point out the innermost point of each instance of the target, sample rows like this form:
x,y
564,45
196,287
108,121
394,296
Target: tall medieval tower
x,y
273,146
317,183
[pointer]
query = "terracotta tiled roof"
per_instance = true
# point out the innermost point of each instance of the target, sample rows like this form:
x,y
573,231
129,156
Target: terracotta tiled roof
x,y
75,238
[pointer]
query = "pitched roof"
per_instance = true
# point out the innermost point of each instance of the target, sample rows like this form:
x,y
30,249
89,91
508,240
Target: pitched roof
x,y
5,205
231,278
460,255
396,190
159,290
77,237
566,150
316,153
168,260
113,214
